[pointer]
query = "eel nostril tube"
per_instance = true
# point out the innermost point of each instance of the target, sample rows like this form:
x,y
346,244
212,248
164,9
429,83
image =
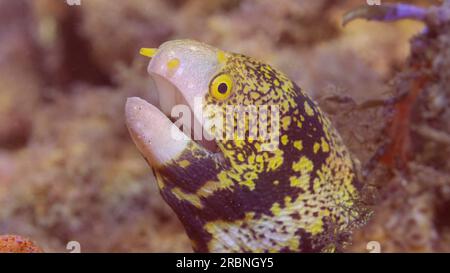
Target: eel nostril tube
x,y
148,52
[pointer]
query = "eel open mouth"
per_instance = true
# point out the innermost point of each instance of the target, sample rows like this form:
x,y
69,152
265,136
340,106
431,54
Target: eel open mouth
x,y
181,71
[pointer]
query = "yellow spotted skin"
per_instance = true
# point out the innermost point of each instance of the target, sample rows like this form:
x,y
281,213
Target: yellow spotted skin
x,y
299,197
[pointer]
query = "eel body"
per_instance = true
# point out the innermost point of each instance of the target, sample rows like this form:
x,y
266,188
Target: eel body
x,y
275,176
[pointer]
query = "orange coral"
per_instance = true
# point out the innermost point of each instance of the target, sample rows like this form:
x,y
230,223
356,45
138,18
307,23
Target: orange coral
x,y
18,244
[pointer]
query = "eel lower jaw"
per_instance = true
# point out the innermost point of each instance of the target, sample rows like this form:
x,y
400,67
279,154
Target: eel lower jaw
x,y
152,128
149,129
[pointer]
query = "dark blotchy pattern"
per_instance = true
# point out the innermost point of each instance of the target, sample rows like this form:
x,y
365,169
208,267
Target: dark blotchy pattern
x,y
298,196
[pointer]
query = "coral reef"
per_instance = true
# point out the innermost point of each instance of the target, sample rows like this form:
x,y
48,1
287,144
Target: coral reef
x,y
412,210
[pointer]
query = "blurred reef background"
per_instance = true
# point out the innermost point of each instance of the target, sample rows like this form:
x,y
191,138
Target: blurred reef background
x,y
69,170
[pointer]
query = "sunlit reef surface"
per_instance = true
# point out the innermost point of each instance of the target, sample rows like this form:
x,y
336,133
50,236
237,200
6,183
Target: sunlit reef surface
x,y
69,171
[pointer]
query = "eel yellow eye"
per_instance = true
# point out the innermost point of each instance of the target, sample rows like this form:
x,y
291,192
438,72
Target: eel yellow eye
x,y
221,86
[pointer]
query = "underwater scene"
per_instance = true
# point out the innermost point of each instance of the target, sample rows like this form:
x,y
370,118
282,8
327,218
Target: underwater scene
x,y
224,126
